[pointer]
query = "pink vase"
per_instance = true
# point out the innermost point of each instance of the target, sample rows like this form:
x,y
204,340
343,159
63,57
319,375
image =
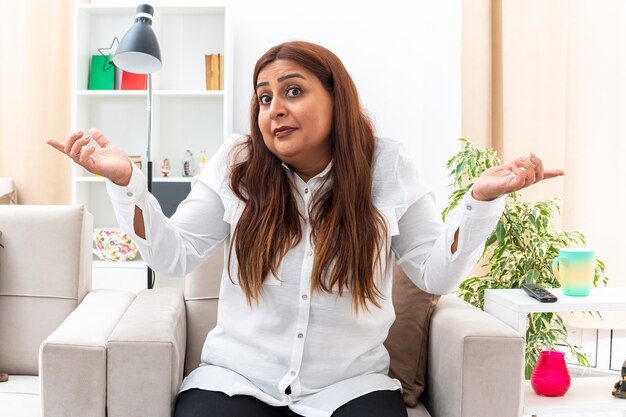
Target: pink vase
x,y
550,376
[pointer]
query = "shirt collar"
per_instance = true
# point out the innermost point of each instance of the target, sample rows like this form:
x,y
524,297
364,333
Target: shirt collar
x,y
322,174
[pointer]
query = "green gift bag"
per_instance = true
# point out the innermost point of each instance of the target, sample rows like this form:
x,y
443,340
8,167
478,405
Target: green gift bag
x,y
101,73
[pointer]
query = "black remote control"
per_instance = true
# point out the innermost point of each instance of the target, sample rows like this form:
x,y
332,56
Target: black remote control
x,y
539,293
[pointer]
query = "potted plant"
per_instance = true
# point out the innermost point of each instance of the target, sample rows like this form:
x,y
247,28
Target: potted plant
x,y
520,249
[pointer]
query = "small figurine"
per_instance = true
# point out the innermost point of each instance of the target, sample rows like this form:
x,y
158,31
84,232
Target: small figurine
x,y
165,168
619,390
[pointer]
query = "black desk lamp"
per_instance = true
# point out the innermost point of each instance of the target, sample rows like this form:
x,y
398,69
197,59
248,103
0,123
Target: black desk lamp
x,y
139,53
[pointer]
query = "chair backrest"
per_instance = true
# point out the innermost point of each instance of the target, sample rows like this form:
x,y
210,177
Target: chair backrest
x,y
202,290
45,271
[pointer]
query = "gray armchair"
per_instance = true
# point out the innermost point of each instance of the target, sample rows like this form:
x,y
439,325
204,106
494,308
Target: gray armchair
x,y
475,363
53,330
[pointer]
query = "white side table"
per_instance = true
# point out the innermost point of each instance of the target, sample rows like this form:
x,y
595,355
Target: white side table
x,y
585,394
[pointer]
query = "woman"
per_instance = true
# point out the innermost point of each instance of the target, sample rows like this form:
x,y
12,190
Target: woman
x,y
311,204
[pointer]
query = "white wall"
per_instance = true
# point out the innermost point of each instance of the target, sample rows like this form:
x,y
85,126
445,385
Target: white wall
x,y
405,58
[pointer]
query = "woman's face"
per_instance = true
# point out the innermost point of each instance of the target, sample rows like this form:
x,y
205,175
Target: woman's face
x,y
295,116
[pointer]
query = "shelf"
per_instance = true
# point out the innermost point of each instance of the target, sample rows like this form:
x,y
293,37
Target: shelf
x,y
155,93
136,263
113,9
511,306
154,179
586,395
172,179
90,179
189,93
600,299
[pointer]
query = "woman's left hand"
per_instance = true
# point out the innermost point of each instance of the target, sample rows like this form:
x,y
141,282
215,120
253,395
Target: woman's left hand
x,y
514,176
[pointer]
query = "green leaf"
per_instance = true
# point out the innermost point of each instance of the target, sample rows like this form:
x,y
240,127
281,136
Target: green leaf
x,y
531,276
500,233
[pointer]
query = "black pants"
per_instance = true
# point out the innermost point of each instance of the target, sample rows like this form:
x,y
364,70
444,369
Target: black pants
x,y
201,403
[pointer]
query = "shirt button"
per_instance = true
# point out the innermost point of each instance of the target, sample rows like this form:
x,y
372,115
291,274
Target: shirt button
x,y
468,207
292,373
304,296
309,253
306,191
130,194
300,335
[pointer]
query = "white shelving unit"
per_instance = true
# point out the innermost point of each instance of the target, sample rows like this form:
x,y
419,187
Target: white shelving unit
x,y
184,115
592,394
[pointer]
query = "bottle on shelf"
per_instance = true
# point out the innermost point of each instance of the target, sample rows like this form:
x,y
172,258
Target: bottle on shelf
x,y
188,164
202,160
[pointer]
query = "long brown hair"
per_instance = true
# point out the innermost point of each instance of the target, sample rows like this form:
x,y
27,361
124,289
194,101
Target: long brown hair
x,y
348,232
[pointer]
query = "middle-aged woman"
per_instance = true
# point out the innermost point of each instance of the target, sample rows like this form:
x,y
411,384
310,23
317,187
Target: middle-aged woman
x,y
311,205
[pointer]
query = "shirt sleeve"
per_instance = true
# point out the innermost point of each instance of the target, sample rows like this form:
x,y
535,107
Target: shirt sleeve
x,y
423,245
175,246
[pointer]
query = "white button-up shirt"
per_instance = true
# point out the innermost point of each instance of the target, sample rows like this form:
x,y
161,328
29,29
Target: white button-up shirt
x,y
311,342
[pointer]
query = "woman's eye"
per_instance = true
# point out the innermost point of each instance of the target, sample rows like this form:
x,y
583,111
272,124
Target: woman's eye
x,y
265,99
293,91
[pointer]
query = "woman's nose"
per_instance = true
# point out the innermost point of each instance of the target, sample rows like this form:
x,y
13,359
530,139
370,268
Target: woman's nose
x,y
277,108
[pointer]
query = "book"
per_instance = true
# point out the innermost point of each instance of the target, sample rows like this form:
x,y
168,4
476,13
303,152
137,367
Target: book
x,y
215,74
221,72
101,73
214,71
208,71
132,81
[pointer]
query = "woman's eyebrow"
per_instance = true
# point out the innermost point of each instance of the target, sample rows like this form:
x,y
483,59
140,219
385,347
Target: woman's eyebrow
x,y
281,79
294,75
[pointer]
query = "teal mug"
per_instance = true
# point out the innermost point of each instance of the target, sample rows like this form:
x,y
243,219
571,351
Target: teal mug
x,y
575,270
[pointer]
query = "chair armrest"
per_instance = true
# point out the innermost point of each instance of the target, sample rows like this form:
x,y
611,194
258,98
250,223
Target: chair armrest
x,y
475,363
72,360
146,355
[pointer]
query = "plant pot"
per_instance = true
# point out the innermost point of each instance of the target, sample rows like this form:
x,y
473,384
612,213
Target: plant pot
x,y
550,376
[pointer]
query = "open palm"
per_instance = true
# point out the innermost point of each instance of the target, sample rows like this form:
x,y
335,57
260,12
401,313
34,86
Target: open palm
x,y
514,176
106,159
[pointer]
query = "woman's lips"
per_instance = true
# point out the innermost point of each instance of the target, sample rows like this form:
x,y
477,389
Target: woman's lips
x,y
284,132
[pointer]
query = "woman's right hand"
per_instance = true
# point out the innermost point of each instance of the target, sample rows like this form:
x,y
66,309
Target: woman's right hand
x,y
106,160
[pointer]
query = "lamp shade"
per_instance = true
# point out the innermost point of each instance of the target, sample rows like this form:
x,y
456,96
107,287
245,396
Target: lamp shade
x,y
139,51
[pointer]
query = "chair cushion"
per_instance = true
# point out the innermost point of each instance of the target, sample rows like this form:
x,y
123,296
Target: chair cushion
x,y
407,341
418,411
202,289
19,397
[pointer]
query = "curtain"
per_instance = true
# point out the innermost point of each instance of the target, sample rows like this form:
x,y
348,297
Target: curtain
x,y
35,80
548,78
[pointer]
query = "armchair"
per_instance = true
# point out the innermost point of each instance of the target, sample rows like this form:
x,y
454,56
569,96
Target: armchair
x,y
475,362
53,331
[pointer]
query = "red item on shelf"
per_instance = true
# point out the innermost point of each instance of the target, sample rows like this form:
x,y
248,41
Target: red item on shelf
x,y
550,376
132,81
